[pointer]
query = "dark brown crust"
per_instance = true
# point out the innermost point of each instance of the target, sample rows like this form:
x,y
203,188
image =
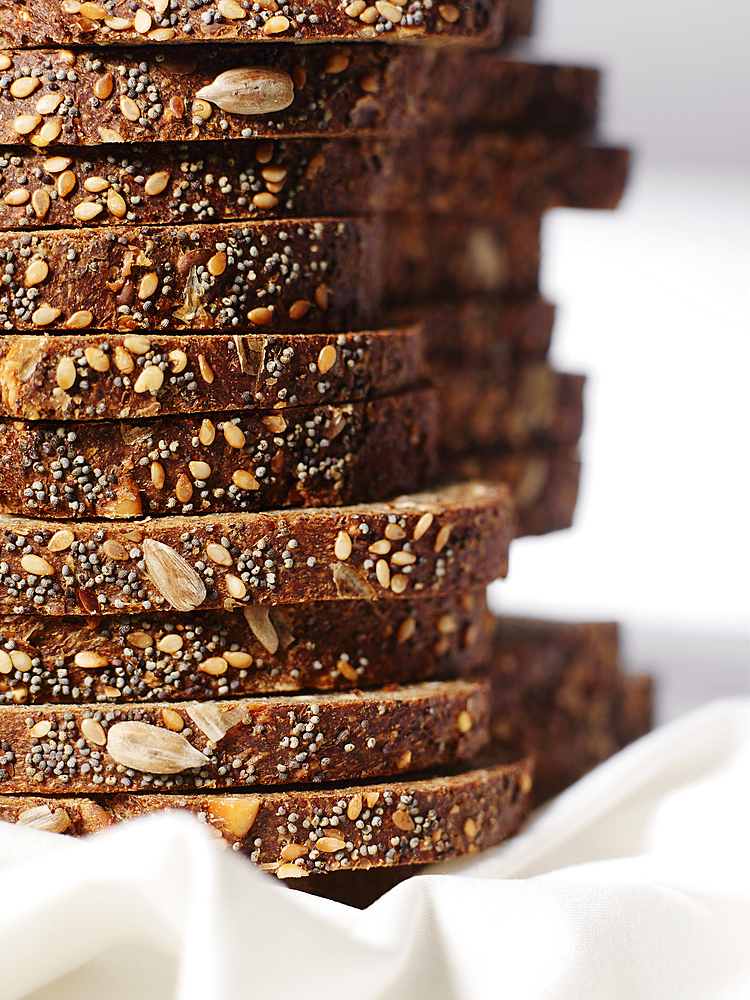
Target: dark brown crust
x,y
558,693
217,277
43,22
476,176
530,406
544,483
265,741
322,646
460,814
301,456
497,93
451,258
470,524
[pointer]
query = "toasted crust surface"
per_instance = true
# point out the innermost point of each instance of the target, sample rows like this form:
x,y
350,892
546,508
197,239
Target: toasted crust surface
x,y
450,540
316,275
420,819
301,456
317,646
230,744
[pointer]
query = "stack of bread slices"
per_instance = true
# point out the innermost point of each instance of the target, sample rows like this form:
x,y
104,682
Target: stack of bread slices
x,y
274,403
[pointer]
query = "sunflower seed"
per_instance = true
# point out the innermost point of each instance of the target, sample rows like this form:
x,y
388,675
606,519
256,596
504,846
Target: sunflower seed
x,y
173,576
250,90
150,748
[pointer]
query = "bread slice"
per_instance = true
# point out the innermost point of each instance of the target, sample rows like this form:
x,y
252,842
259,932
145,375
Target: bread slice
x,y
449,258
288,90
201,372
499,93
44,22
301,178
300,456
236,743
559,693
306,276
342,90
483,331
508,407
452,540
301,831
543,482
316,646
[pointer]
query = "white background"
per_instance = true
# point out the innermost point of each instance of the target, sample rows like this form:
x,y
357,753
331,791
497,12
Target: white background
x,y
653,307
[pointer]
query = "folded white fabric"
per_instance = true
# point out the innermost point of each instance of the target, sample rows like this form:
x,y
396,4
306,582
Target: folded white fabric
x,y
634,884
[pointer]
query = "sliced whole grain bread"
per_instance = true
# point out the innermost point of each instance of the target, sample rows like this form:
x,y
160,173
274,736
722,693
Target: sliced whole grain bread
x,y
449,540
300,456
440,257
543,482
45,22
201,372
559,693
483,331
508,407
304,276
137,95
302,831
475,176
317,646
361,888
240,742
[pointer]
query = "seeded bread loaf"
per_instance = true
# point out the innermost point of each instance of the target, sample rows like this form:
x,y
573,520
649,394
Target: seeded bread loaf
x,y
558,693
318,646
297,832
543,482
316,275
138,95
301,456
516,408
245,371
80,22
477,176
445,257
427,544
230,744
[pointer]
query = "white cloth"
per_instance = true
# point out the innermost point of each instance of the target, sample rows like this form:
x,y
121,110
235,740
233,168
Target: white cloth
x,y
632,885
